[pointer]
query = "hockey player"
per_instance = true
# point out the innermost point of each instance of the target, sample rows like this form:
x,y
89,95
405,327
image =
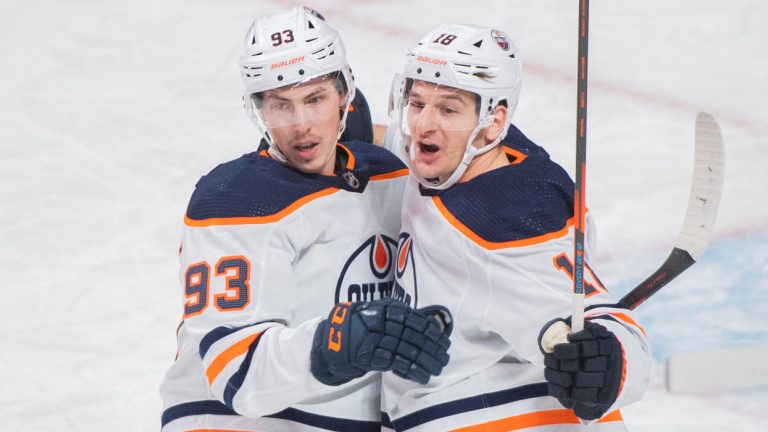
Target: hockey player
x,y
487,232
287,259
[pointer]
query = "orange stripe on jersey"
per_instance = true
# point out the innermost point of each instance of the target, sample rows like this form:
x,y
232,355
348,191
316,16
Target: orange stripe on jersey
x,y
248,220
627,319
540,418
351,160
518,155
390,175
621,317
220,362
498,245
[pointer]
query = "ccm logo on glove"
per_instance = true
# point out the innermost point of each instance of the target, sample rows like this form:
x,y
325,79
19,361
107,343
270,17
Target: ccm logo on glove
x,y
337,318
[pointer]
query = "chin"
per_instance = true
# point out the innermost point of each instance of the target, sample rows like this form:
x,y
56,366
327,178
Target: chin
x,y
426,171
309,168
314,166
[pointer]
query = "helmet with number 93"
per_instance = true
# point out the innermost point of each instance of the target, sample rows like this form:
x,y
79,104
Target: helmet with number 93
x,y
290,48
478,60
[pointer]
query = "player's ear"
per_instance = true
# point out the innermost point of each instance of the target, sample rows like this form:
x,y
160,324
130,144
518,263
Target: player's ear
x,y
496,126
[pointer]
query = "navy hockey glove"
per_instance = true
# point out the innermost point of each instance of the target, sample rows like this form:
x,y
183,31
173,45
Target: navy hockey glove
x,y
586,372
381,335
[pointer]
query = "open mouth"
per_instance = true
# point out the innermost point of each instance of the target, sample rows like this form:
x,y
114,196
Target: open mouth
x,y
305,147
428,148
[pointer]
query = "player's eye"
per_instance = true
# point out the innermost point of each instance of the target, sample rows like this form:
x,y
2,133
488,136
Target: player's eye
x,y
314,100
449,108
417,105
279,106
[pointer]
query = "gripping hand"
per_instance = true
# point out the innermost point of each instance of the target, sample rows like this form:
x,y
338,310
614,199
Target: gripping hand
x,y
584,373
381,335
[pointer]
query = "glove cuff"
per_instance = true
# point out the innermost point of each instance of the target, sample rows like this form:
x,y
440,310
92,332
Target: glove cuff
x,y
318,365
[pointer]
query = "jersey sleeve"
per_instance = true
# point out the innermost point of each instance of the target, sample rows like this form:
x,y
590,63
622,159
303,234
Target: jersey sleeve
x,y
240,316
537,282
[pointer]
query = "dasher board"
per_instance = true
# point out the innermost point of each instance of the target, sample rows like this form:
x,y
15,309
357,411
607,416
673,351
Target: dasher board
x,y
716,370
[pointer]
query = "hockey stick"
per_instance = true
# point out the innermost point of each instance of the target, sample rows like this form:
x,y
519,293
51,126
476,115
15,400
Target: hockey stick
x,y
579,193
703,203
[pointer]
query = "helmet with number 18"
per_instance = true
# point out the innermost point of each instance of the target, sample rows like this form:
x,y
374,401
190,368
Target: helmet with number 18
x,y
456,60
285,51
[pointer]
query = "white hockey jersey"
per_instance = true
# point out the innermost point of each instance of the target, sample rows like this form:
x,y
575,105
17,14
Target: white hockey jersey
x,y
266,252
496,251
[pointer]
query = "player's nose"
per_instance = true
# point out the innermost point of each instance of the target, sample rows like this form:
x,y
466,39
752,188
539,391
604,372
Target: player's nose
x,y
301,122
427,120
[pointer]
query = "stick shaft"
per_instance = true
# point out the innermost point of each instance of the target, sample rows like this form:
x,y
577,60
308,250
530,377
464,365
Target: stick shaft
x,y
579,198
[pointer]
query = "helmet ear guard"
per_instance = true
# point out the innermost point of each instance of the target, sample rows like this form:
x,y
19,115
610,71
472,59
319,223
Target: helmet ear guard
x,y
476,59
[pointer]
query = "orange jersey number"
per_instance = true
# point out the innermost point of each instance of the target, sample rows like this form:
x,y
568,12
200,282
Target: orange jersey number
x,y
197,283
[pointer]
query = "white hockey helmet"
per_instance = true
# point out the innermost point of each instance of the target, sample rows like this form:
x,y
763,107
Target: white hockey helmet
x,y
476,59
289,48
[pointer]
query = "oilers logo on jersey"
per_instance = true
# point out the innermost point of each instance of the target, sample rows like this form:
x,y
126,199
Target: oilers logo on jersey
x,y
406,272
374,257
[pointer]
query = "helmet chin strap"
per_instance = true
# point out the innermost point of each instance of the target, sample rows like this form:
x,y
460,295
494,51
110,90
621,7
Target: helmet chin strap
x,y
343,124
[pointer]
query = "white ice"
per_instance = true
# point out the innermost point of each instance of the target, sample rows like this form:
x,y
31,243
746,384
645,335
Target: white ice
x,y
111,110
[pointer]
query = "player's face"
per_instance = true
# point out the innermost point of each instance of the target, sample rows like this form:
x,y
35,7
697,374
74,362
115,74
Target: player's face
x,y
304,123
441,120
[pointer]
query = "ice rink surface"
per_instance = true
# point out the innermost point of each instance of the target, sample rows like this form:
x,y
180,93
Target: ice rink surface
x,y
111,110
